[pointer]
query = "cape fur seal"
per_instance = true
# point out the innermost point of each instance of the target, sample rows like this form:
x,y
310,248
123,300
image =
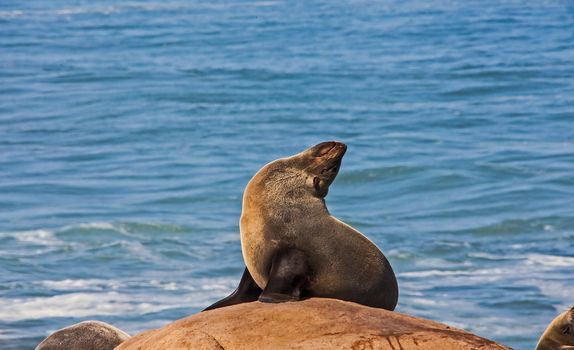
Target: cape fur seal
x,y
87,335
293,248
559,335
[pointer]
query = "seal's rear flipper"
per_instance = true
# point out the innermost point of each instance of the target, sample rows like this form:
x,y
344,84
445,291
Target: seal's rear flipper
x,y
288,277
247,291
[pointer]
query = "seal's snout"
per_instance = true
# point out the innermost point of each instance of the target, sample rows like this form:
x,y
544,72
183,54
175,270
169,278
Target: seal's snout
x,y
331,148
341,148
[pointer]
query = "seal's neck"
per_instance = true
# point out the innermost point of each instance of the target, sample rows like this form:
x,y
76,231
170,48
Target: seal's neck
x,y
256,201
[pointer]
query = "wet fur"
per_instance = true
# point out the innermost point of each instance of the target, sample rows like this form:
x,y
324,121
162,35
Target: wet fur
x,y
87,335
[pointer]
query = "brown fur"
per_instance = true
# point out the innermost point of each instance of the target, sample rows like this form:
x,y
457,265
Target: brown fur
x,y
87,335
559,335
284,207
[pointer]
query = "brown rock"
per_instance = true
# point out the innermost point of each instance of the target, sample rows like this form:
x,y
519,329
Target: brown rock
x,y
310,324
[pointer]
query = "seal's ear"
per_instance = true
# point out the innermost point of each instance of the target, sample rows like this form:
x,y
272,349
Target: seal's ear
x,y
567,329
317,183
321,188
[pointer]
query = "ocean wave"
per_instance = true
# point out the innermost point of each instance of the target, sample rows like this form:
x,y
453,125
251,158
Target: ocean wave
x,y
82,305
513,226
217,284
127,7
436,273
55,236
80,298
80,284
521,265
40,237
95,225
560,291
139,242
398,173
11,14
550,260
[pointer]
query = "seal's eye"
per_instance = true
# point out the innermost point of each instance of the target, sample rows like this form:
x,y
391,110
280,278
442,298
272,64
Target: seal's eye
x,y
323,148
333,169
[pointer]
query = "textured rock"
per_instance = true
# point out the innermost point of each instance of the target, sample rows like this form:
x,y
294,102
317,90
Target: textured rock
x,y
310,324
87,335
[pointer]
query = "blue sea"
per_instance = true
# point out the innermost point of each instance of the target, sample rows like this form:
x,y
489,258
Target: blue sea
x,y
129,129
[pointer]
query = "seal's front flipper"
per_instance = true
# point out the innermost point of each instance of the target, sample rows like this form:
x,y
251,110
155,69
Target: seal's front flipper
x,y
288,277
247,291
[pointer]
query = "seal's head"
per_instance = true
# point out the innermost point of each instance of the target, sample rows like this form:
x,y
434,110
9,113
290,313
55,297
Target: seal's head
x,y
322,163
568,325
310,172
560,333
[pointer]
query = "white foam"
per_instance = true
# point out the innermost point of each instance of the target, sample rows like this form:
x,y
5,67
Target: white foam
x,y
106,10
97,304
81,284
166,285
95,225
435,273
83,305
550,260
223,284
100,297
558,290
48,237
11,14
81,10
489,256
40,237
427,302
98,225
137,249
521,265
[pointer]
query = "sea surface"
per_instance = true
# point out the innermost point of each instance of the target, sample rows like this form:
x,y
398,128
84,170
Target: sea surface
x,y
129,129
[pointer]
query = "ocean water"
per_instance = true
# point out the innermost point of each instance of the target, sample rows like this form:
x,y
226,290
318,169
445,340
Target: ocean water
x,y
128,131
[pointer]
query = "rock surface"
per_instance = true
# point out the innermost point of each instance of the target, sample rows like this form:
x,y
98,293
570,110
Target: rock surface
x,y
310,324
